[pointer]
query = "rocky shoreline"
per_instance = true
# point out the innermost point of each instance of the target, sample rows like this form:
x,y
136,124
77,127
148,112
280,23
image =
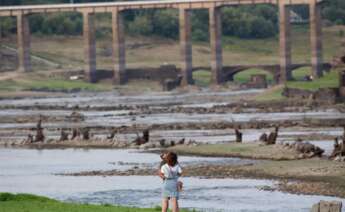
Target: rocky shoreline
x,y
285,182
239,106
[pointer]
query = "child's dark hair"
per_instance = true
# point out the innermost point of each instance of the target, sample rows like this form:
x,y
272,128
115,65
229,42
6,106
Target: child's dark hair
x,y
171,159
162,155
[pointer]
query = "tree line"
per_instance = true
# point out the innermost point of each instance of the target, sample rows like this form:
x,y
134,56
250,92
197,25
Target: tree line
x,y
259,21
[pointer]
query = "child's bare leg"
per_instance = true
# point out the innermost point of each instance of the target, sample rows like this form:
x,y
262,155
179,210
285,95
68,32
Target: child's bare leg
x,y
175,207
165,204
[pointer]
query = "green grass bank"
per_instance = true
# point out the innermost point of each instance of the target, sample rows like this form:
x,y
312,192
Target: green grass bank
x,y
329,80
32,203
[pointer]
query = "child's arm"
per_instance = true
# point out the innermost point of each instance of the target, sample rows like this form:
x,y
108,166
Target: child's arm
x,y
161,173
179,171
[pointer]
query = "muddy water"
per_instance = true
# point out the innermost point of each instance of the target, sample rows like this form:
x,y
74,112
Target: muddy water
x,y
116,118
15,123
17,118
31,171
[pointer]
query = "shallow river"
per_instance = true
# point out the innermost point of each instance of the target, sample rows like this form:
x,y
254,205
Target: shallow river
x,y
32,171
117,117
205,98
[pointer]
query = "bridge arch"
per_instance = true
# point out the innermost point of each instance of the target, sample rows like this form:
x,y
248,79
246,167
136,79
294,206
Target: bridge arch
x,y
229,72
244,75
300,71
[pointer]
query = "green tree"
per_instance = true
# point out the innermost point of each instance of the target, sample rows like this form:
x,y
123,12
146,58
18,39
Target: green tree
x,y
141,25
166,23
243,26
250,21
262,28
334,11
266,12
10,2
36,22
7,25
200,31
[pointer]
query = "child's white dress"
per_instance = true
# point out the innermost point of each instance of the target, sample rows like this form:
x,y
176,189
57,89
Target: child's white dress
x,y
171,175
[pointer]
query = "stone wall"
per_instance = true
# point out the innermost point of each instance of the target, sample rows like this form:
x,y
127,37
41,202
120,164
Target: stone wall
x,y
329,95
156,74
8,60
296,93
257,81
324,206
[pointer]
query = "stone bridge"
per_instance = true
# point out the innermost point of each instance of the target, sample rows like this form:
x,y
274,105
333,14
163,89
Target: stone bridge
x,y
88,10
228,72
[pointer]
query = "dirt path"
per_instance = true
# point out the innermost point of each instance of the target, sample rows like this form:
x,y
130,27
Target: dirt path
x,y
10,75
34,57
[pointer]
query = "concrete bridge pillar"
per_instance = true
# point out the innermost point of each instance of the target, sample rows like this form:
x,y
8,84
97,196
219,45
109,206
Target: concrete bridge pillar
x,y
119,48
0,41
316,39
23,43
89,46
186,47
284,43
215,26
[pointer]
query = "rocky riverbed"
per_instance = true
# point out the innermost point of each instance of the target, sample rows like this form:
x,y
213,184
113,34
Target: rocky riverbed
x,y
203,117
187,121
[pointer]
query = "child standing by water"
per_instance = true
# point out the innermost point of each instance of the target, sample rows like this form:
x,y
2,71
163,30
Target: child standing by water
x,y
170,172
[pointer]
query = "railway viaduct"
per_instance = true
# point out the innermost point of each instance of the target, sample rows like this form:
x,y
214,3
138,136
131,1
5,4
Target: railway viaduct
x,y
185,7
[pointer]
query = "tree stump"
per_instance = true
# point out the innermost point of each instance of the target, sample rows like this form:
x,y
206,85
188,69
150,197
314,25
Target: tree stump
x,y
336,148
29,139
86,134
146,135
63,136
75,133
263,138
112,134
39,131
272,138
238,136
144,139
